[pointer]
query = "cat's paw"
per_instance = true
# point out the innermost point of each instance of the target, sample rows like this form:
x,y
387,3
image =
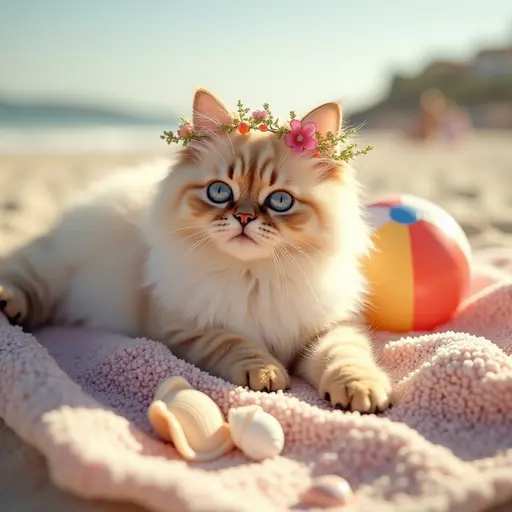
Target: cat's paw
x,y
266,375
13,303
363,389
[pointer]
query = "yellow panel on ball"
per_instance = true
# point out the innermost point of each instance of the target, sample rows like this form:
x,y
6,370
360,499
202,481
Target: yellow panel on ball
x,y
391,280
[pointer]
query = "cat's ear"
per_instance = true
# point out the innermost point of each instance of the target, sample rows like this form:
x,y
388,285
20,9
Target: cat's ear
x,y
209,113
327,117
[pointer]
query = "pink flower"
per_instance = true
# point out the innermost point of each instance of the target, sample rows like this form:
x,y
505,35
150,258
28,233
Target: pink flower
x,y
185,130
301,137
259,115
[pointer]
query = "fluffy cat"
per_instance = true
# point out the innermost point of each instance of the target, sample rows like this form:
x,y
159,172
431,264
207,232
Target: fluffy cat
x,y
242,257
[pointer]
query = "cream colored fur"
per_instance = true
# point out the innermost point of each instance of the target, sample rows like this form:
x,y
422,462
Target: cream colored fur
x,y
109,263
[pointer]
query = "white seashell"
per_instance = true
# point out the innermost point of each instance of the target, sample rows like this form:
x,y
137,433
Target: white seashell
x,y
191,420
258,434
328,491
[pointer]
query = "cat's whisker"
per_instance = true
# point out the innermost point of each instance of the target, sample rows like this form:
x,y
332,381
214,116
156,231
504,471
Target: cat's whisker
x,y
287,156
212,132
195,245
281,238
232,154
201,247
192,252
280,163
281,271
308,282
183,228
148,246
300,240
276,263
188,237
211,147
207,143
297,248
200,115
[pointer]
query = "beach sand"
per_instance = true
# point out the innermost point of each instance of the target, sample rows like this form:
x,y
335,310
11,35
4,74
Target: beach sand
x,y
472,179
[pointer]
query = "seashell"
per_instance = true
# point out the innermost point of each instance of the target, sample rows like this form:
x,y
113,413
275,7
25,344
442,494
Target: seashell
x,y
328,491
258,434
191,420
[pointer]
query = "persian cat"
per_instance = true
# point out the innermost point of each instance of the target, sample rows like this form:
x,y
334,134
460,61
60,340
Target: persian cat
x,y
241,256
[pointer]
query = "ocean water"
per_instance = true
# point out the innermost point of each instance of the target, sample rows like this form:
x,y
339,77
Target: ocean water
x,y
76,138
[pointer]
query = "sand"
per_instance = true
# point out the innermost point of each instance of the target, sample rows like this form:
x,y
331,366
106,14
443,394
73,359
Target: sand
x,y
472,179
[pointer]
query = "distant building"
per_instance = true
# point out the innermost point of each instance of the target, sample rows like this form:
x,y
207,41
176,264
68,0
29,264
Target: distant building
x,y
494,63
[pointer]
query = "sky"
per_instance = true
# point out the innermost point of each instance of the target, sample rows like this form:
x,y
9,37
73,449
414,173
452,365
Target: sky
x,y
295,55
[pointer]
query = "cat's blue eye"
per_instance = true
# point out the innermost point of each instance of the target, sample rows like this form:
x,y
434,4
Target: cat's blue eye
x,y
219,192
280,201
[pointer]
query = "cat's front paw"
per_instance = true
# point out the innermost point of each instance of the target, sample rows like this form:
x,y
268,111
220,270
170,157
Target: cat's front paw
x,y
266,374
13,303
363,389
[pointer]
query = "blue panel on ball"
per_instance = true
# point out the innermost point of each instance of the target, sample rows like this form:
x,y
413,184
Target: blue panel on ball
x,y
404,214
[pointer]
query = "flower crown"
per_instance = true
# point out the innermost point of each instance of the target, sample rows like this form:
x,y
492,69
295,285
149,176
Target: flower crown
x,y
299,137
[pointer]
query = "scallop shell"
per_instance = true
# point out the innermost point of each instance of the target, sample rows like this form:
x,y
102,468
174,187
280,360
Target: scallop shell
x,y
328,491
258,434
191,420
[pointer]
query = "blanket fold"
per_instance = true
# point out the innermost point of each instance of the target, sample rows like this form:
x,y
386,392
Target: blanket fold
x,y
80,397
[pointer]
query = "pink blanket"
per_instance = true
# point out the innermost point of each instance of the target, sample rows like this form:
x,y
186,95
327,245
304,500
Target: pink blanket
x,y
81,399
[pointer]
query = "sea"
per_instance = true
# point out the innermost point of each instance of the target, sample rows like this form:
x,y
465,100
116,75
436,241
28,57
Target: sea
x,y
75,137
58,128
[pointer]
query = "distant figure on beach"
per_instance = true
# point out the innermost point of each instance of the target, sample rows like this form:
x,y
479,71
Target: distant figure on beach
x,y
439,117
431,115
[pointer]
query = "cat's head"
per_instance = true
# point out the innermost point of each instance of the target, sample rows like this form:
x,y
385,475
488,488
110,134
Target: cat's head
x,y
251,197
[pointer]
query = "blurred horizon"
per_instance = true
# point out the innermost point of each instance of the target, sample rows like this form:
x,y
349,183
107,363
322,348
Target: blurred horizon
x,y
87,88
146,59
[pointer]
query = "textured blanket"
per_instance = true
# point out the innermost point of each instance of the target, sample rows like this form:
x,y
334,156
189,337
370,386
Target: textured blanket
x,y
81,399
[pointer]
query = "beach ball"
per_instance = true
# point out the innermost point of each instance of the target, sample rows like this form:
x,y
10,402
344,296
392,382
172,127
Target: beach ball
x,y
419,270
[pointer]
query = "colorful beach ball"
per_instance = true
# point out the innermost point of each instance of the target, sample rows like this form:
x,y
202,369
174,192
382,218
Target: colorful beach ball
x,y
419,271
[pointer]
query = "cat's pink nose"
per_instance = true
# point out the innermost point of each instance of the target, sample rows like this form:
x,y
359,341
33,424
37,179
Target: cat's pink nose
x,y
244,218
